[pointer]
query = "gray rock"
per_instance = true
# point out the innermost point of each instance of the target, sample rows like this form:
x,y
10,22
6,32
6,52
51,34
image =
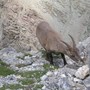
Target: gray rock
x,y
64,84
1,84
84,48
82,72
31,68
10,79
59,79
44,77
44,87
79,87
7,50
68,69
76,80
88,88
87,82
58,62
50,73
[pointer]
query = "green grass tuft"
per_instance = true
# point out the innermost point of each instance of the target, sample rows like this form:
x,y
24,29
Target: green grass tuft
x,y
3,64
5,70
49,67
27,81
38,87
32,74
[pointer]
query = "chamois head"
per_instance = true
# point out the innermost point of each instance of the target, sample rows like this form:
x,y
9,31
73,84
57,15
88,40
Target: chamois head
x,y
73,52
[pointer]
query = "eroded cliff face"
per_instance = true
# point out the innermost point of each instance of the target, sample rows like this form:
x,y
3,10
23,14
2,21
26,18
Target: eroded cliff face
x,y
67,16
18,26
19,19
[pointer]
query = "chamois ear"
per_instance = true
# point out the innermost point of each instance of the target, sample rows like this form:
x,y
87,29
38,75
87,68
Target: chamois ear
x,y
74,44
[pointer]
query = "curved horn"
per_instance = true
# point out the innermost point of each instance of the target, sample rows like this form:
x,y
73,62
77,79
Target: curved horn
x,y
74,44
67,45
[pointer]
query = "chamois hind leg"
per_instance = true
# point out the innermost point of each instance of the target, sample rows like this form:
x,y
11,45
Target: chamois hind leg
x,y
63,56
49,57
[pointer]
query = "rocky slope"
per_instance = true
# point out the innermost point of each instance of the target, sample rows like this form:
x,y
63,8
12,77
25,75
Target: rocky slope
x,y
19,19
30,71
18,26
66,16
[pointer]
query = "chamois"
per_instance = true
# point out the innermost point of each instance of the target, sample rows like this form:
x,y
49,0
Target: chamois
x,y
52,42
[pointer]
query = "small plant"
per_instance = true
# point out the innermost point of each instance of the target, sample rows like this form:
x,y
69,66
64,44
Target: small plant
x,y
5,70
38,87
27,81
32,74
48,67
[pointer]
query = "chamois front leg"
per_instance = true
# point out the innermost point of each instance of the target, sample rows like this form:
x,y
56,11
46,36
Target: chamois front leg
x,y
63,56
49,57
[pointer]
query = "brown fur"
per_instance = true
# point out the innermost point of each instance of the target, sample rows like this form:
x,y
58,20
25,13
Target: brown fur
x,y
52,42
